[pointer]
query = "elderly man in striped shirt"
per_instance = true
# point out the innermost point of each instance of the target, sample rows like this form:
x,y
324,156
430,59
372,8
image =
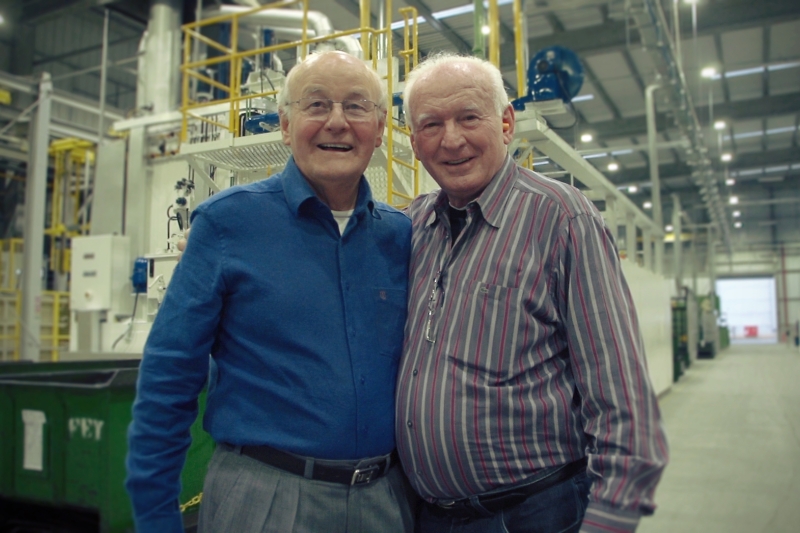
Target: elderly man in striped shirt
x,y
523,400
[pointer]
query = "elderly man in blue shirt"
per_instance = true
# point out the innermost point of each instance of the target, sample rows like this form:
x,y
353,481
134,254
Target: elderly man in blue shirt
x,y
296,286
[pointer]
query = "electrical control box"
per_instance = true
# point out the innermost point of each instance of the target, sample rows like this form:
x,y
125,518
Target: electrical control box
x,y
101,269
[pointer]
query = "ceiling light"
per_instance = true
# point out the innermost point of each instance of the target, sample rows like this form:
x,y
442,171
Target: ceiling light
x,y
720,125
586,137
689,1
613,167
737,214
648,205
708,72
486,30
730,182
737,225
668,228
726,157
2,19
733,200
633,189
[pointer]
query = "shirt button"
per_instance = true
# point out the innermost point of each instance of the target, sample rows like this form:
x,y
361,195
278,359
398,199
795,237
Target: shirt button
x,y
415,372
409,424
363,380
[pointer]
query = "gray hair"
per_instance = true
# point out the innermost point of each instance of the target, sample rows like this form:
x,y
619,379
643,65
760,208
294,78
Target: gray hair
x,y
490,73
284,97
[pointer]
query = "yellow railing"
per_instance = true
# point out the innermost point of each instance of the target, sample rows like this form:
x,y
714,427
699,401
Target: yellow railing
x,y
72,158
54,332
234,58
9,250
410,55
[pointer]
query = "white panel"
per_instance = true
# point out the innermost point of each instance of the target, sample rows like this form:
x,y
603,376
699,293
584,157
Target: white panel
x,y
580,18
743,48
745,87
651,296
784,40
784,81
595,110
100,269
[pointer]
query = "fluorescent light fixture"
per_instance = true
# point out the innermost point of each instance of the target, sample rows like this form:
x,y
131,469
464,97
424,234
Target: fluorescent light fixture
x,y
736,214
781,168
486,30
633,189
733,200
586,138
776,131
668,228
709,72
726,157
745,72
614,167
730,182
583,98
690,2
719,125
2,19
452,12
782,66
648,205
622,152
737,225
592,156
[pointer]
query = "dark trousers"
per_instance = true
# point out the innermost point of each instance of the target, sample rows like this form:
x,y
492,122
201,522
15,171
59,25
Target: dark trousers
x,y
559,509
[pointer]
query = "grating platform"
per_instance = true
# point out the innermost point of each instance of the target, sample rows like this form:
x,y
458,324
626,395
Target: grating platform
x,y
250,153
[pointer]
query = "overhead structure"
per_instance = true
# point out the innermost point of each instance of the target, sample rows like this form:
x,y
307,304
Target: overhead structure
x,y
661,47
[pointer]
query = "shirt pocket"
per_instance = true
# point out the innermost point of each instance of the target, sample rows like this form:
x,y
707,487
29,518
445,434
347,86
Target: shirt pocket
x,y
389,319
490,324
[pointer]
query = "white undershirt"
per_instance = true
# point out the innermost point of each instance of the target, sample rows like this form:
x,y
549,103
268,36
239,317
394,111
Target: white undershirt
x,y
342,218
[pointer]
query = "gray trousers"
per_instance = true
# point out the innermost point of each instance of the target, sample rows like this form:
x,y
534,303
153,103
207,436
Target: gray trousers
x,y
242,495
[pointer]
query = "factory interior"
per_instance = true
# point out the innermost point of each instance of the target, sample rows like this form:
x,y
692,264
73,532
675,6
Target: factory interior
x,y
678,119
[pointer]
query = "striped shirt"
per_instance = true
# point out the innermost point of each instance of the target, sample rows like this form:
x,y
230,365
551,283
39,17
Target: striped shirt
x,y
522,351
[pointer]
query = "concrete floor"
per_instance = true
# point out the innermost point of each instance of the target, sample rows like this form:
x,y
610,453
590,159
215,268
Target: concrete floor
x,y
733,424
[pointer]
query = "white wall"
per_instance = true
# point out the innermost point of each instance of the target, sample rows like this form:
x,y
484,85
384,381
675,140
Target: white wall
x,y
651,295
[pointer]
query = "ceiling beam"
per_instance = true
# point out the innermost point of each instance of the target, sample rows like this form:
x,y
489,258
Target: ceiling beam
x,y
772,106
455,39
711,20
678,175
41,10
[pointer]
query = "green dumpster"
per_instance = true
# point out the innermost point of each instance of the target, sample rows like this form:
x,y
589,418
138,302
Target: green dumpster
x,y
63,442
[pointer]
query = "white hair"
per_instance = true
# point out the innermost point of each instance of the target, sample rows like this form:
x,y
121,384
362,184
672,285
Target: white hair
x,y
284,97
490,73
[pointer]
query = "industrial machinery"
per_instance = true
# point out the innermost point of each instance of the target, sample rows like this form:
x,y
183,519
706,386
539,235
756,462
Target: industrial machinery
x,y
190,137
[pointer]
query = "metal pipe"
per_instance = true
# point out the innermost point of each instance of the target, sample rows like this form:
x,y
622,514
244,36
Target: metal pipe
x,y
655,181
35,194
647,249
365,23
520,56
630,237
103,79
478,22
611,215
678,243
677,27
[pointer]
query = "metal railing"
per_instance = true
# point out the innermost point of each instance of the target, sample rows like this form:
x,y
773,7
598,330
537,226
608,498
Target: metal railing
x,y
369,37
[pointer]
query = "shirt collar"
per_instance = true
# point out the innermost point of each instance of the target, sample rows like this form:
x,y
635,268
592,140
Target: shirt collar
x,y
491,201
298,191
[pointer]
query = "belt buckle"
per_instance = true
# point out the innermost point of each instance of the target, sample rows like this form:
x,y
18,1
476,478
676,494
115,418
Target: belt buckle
x,y
364,475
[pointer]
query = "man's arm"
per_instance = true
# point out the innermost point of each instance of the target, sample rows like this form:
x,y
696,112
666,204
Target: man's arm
x,y
173,371
627,446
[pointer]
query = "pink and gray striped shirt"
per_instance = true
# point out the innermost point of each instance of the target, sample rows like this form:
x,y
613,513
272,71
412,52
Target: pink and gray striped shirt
x,y
523,352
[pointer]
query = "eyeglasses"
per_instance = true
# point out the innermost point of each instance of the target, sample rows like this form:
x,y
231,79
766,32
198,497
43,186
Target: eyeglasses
x,y
320,108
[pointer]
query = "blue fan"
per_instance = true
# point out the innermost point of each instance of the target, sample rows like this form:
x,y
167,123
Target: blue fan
x,y
554,73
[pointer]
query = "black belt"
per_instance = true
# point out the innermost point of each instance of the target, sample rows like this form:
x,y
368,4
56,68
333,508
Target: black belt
x,y
488,504
346,475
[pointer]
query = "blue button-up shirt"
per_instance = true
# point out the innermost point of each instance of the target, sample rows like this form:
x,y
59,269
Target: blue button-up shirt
x,y
304,327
